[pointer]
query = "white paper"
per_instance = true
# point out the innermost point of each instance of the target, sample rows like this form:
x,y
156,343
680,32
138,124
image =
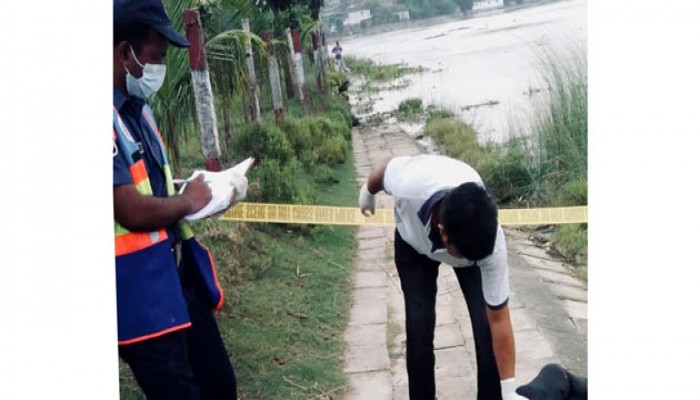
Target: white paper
x,y
222,188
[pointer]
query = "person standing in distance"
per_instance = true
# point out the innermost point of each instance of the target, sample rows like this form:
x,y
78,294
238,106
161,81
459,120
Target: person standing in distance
x,y
339,62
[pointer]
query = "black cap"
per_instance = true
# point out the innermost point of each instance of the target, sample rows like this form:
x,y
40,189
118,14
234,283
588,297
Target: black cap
x,y
151,13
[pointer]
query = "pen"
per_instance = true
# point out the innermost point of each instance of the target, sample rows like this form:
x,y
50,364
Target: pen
x,y
183,181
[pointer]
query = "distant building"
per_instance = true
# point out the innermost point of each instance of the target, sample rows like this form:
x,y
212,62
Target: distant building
x,y
487,5
355,17
403,15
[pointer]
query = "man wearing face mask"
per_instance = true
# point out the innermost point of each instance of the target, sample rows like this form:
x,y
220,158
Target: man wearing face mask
x,y
167,287
445,215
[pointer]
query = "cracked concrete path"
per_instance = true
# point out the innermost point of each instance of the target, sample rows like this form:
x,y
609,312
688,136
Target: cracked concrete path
x,y
548,305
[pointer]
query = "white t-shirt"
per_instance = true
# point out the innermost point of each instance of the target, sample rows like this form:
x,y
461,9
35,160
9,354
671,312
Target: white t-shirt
x,y
416,183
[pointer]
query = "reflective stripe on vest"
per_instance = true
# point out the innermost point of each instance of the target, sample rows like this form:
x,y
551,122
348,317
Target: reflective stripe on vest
x,y
185,229
129,242
126,242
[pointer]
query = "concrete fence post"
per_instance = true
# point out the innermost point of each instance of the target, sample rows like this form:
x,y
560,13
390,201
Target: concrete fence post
x,y
252,80
203,96
295,51
273,68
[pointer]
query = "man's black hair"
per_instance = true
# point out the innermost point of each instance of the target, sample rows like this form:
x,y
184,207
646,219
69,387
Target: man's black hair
x,y
470,218
135,34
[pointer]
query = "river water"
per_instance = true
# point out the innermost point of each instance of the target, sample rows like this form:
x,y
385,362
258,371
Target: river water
x,y
487,69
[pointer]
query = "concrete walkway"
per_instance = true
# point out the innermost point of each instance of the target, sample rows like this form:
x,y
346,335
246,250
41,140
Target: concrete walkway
x,y
548,306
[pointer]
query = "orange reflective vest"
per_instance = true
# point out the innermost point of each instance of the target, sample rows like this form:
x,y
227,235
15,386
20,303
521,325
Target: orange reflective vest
x,y
150,301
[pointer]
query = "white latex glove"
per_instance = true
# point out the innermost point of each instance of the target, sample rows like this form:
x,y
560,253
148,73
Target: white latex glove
x,y
240,186
368,201
508,390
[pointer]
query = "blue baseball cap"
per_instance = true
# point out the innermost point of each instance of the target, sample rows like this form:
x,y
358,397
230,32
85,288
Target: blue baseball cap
x,y
151,13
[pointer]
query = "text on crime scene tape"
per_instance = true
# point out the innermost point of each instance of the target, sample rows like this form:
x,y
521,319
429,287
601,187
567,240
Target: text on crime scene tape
x,y
330,215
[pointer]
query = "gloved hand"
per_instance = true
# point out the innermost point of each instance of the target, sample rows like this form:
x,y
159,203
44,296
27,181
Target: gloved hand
x,y
368,201
240,187
508,390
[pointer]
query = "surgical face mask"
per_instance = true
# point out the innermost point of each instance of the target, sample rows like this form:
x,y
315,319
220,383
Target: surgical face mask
x,y
149,83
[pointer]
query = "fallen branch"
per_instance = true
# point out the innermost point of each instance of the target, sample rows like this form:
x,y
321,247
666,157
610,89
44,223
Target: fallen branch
x,y
328,393
297,314
335,264
291,382
300,275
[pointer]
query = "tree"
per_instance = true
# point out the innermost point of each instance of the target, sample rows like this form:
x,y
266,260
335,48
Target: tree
x,y
173,103
465,5
225,49
380,14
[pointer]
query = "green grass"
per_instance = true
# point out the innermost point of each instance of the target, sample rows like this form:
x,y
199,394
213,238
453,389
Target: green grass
x,y
376,74
285,315
379,72
457,139
288,321
571,242
433,111
557,132
344,193
128,389
559,162
410,109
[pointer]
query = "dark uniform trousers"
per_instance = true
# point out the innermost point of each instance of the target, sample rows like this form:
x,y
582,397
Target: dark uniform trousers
x,y
418,275
189,364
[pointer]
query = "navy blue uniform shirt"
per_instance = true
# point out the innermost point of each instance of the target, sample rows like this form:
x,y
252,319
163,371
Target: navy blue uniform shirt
x,y
130,111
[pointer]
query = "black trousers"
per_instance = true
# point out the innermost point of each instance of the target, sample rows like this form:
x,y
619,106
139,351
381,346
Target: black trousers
x,y
418,275
190,364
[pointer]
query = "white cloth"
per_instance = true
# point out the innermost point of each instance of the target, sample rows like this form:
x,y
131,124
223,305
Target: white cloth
x,y
412,181
508,390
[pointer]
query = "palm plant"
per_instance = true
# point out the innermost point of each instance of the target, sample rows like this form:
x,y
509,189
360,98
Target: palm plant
x,y
224,45
174,103
226,56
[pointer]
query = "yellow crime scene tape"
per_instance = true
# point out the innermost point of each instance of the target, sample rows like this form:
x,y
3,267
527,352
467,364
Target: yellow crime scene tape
x,y
330,215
